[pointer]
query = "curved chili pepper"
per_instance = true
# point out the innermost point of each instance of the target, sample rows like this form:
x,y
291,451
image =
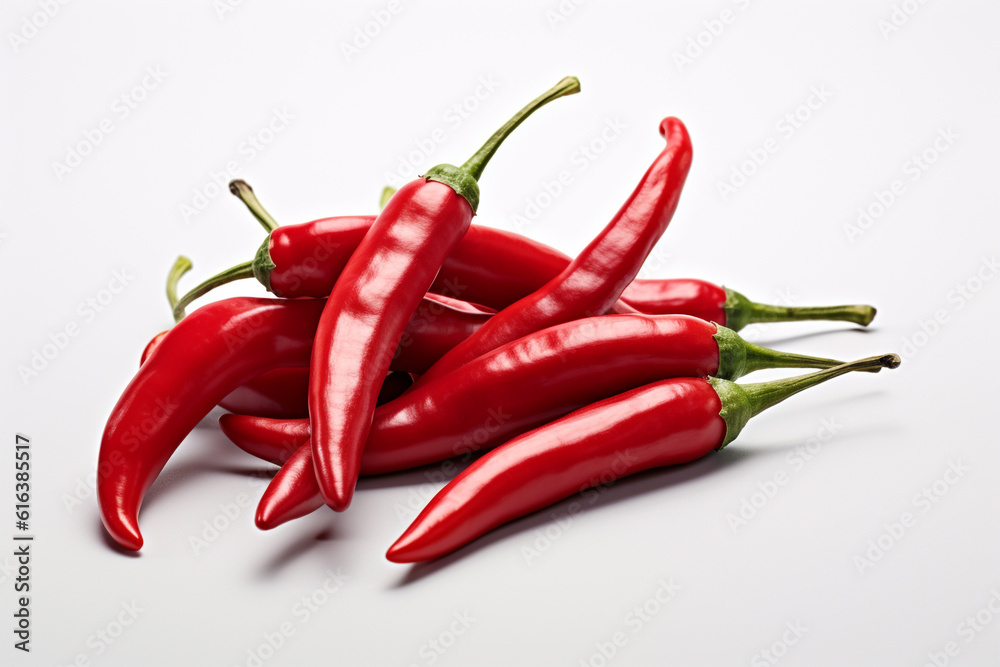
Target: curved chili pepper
x,y
201,360
664,423
519,386
593,281
380,287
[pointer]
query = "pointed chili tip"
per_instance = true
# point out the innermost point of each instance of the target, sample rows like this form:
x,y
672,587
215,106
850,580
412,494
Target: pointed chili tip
x,y
339,504
890,361
238,184
667,123
338,498
126,533
226,427
400,553
415,546
264,518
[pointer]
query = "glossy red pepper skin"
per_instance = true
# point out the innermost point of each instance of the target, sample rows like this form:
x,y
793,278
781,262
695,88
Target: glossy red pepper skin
x,y
281,393
201,360
593,281
665,423
689,296
307,258
365,316
489,266
278,394
508,391
271,440
458,304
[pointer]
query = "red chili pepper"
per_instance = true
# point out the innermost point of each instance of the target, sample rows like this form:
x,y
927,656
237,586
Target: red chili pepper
x,y
508,391
201,360
729,307
593,282
664,423
377,292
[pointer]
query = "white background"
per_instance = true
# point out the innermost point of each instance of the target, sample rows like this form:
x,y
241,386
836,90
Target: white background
x,y
780,236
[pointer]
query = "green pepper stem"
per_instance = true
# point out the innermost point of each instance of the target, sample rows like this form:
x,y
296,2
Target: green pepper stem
x,y
758,358
238,272
245,194
740,402
387,193
475,165
181,266
857,313
741,311
763,395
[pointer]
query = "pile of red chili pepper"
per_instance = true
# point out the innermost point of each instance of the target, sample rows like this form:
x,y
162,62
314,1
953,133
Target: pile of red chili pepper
x,y
414,337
